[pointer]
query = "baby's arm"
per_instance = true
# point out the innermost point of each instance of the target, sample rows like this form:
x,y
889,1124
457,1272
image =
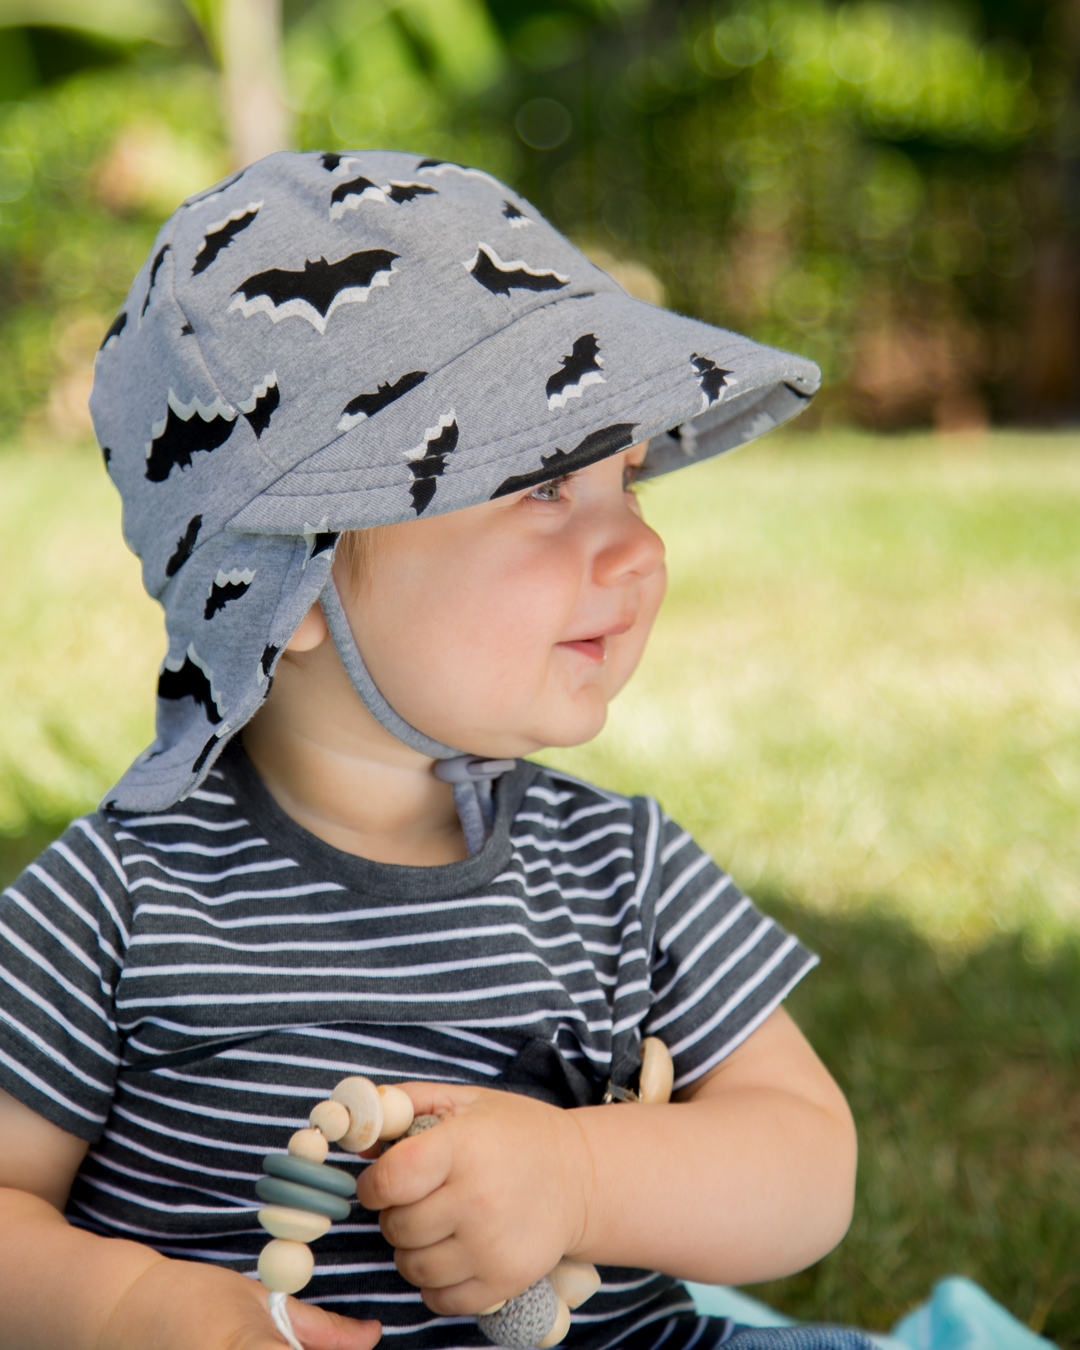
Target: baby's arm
x,y
60,1286
747,1176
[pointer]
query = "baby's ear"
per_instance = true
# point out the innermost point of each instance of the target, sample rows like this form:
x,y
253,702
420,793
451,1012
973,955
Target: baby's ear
x,y
311,632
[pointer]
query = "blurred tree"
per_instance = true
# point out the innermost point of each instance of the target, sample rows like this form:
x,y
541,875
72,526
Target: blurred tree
x,y
890,188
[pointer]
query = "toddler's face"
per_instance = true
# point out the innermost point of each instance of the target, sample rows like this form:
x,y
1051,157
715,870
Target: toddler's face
x,y
509,626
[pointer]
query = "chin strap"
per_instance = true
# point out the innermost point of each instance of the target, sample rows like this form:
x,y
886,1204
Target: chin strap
x,y
470,776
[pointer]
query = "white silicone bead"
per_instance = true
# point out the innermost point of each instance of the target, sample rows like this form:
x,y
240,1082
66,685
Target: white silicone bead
x,y
285,1266
559,1329
331,1118
397,1112
657,1072
361,1099
310,1145
282,1221
575,1281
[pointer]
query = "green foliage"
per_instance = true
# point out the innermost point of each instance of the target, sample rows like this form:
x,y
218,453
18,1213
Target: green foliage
x,y
884,187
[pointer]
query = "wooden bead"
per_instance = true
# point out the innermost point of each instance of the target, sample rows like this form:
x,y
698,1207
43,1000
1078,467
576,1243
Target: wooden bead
x,y
286,1266
331,1179
657,1072
558,1330
360,1097
330,1118
301,1226
276,1191
575,1281
397,1112
310,1145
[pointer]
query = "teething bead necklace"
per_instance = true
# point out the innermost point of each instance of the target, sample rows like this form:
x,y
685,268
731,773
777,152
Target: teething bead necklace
x,y
305,1194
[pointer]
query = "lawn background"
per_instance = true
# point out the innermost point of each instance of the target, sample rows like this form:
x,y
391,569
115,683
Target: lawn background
x,y
863,695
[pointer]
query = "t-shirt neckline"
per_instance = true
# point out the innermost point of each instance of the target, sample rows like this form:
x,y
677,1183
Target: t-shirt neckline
x,y
391,880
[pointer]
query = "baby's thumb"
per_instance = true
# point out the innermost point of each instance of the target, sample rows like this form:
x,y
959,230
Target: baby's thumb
x,y
317,1329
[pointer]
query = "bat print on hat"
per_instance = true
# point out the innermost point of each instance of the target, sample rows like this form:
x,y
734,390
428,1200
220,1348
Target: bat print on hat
x,y
333,340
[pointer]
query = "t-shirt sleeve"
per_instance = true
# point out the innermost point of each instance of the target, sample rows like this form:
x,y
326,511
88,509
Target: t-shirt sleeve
x,y
719,966
63,933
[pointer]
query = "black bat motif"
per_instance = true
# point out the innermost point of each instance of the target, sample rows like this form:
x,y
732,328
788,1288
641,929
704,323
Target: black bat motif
x,y
262,406
316,291
333,161
348,196
186,330
406,192
220,236
189,680
184,546
155,267
501,277
115,329
581,368
516,218
183,434
367,405
596,445
711,378
441,166
319,541
106,455
428,460
204,754
267,660
227,586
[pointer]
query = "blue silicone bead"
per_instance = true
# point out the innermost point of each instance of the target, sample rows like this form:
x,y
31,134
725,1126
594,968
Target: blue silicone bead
x,y
323,1178
277,1192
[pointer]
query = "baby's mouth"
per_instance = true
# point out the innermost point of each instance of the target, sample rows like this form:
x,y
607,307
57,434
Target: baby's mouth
x,y
594,649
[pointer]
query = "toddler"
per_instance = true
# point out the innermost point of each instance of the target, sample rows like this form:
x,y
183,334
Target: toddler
x,y
376,427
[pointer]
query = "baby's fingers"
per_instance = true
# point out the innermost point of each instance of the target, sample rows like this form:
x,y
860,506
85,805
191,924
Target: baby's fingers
x,y
406,1173
317,1329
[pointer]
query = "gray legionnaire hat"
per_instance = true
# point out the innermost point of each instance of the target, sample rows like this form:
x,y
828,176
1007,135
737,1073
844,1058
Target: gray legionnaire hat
x,y
325,342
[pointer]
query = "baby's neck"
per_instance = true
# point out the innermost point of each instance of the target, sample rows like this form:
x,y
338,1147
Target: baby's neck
x,y
337,773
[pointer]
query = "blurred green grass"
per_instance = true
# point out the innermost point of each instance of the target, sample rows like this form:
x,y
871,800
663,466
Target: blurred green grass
x,y
863,695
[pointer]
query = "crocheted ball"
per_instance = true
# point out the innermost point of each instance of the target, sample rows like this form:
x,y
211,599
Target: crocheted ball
x,y
524,1321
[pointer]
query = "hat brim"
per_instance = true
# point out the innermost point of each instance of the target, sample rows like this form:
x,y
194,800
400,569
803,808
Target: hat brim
x,y
565,384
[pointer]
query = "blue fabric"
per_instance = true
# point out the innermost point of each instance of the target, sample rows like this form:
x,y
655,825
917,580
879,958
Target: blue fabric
x,y
961,1316
957,1316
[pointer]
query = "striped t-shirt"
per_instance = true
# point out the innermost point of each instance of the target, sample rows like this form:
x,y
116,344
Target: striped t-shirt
x,y
181,988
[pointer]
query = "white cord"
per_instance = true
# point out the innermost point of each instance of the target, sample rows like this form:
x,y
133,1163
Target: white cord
x,y
280,1313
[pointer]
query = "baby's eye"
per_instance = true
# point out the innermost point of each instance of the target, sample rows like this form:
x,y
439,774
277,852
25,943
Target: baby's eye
x,y
630,475
548,492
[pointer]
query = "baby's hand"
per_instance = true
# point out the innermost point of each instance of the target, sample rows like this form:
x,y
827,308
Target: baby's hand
x,y
480,1207
184,1305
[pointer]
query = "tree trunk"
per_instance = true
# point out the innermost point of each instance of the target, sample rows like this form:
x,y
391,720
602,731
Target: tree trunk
x,y
256,113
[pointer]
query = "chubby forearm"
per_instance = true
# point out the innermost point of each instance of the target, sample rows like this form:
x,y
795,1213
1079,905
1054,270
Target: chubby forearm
x,y
59,1285
742,1185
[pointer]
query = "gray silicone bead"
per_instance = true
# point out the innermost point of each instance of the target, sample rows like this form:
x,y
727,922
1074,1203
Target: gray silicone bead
x,y
277,1192
323,1178
420,1124
524,1321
